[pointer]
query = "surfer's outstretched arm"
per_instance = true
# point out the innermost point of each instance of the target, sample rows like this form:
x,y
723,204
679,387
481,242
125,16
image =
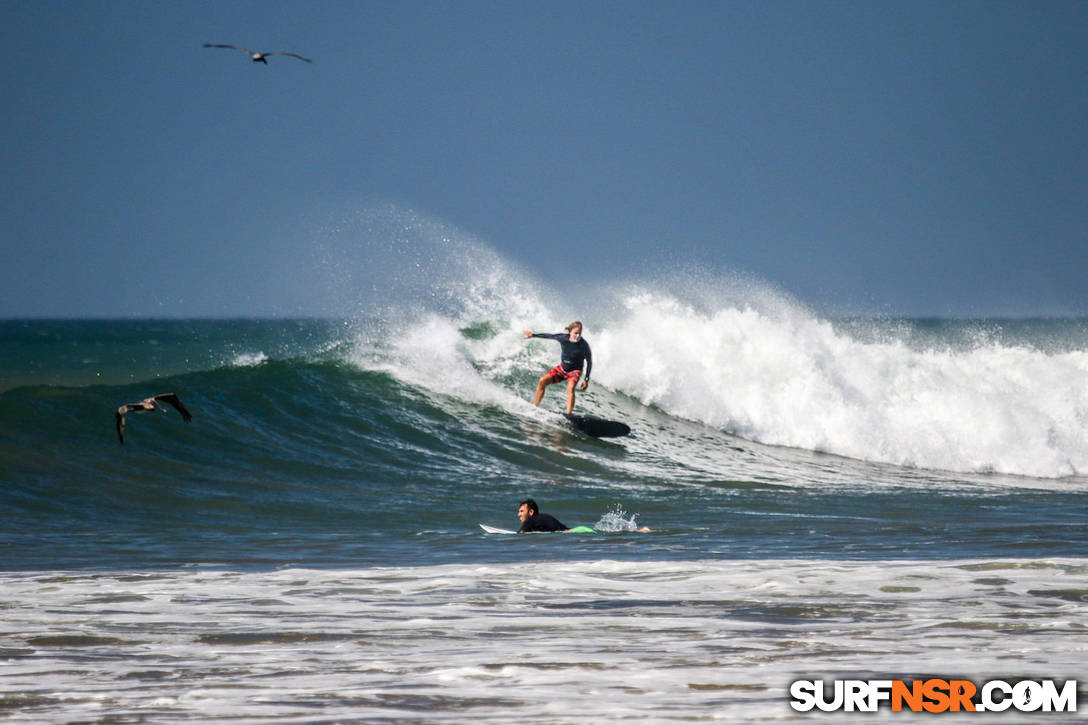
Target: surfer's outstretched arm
x,y
546,335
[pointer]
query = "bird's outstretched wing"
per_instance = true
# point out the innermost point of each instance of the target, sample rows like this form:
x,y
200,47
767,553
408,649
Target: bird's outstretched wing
x,y
119,420
293,55
172,399
232,47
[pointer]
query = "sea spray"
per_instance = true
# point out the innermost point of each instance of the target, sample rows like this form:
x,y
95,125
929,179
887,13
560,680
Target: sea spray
x,y
381,261
434,354
617,520
249,359
786,377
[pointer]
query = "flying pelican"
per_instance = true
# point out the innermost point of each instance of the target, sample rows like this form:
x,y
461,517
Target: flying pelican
x,y
146,405
256,55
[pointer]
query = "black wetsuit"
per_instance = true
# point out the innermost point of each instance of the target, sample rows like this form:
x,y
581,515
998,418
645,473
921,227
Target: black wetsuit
x,y
573,353
542,522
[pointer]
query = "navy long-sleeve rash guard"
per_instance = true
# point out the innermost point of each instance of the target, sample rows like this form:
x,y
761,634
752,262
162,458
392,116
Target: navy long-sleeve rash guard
x,y
573,353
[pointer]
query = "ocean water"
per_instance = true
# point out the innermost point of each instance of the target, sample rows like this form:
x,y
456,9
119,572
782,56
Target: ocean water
x,y
828,498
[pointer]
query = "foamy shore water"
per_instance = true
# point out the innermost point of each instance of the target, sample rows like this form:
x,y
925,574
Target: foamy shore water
x,y
551,642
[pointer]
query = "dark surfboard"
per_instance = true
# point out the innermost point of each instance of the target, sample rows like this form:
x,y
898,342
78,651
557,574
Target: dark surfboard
x,y
597,427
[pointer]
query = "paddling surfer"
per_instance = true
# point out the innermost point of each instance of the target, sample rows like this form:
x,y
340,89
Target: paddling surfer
x,y
532,520
574,354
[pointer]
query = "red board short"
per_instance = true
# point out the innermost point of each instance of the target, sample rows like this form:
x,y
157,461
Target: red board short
x,y
558,373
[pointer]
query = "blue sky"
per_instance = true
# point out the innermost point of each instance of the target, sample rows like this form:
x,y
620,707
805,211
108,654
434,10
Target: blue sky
x,y
902,158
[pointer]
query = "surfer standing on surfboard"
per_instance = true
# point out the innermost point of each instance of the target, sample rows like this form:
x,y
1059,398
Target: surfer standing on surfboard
x,y
575,352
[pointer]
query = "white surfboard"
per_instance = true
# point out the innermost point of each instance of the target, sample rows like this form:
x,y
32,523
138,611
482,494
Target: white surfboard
x,y
496,530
